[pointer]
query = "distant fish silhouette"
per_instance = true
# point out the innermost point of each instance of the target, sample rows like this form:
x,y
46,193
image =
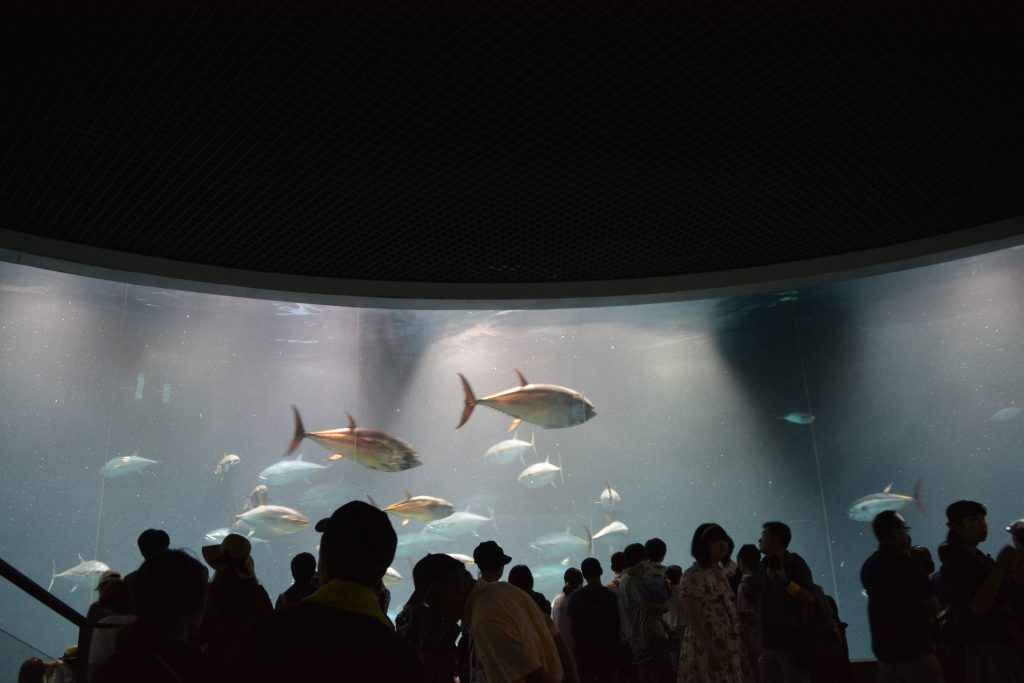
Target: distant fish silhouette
x,y
799,418
1005,414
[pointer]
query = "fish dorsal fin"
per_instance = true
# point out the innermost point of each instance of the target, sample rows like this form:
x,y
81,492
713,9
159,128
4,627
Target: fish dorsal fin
x,y
568,528
548,459
515,423
522,380
80,558
566,561
299,456
609,519
407,494
887,489
351,421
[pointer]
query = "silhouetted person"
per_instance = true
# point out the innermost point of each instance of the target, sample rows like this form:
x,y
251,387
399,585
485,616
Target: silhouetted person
x,y
641,619
235,600
513,640
431,634
303,570
974,581
521,577
572,581
786,603
150,542
748,596
490,560
923,557
618,565
85,633
901,605
32,671
339,632
116,601
170,597
594,620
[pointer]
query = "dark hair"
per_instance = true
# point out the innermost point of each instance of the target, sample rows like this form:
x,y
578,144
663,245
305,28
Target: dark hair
x,y
152,541
674,574
116,597
303,567
634,554
962,509
656,549
779,531
749,555
573,579
943,552
32,671
883,524
618,561
521,576
924,557
704,536
732,545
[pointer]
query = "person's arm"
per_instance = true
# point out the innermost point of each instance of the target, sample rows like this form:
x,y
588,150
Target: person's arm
x,y
983,600
792,588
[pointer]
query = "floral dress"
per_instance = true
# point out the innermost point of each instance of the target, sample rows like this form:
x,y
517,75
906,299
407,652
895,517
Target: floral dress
x,y
710,587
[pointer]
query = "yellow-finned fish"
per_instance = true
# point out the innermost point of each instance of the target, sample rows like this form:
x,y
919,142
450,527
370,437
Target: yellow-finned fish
x,y
369,447
422,508
545,405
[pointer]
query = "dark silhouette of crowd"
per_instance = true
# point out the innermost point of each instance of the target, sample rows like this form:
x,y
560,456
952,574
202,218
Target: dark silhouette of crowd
x,y
761,618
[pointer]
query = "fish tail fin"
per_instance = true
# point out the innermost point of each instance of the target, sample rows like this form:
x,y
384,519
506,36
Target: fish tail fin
x,y
533,442
53,576
300,432
492,522
590,541
561,472
470,400
918,500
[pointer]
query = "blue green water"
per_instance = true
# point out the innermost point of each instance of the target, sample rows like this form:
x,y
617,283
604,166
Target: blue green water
x,y
902,372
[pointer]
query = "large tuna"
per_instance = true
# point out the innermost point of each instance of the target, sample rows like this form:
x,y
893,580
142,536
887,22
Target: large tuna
x,y
369,447
545,405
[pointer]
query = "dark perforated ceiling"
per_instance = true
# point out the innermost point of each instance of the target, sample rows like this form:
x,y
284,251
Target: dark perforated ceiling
x,y
498,142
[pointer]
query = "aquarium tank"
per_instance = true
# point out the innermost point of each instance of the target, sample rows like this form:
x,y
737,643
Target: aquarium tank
x,y
120,404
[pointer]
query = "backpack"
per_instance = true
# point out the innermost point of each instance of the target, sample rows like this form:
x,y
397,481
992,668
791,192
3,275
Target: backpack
x,y
821,643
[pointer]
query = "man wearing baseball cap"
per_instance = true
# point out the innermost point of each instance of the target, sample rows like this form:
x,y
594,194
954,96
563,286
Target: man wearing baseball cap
x,y
339,632
513,640
491,560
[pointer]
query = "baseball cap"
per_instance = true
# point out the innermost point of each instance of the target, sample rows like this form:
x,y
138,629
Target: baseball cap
x,y
489,555
359,522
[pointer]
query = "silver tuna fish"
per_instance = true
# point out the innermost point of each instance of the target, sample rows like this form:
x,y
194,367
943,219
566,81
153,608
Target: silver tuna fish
x,y
457,524
86,573
268,521
290,470
865,509
507,451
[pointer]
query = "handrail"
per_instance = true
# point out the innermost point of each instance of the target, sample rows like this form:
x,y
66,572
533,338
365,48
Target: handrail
x,y
29,586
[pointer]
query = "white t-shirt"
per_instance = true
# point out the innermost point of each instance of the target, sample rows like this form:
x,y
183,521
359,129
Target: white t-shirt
x,y
563,622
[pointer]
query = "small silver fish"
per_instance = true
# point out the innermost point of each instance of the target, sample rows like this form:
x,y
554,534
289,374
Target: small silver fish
x,y
289,470
799,418
540,474
226,463
85,573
